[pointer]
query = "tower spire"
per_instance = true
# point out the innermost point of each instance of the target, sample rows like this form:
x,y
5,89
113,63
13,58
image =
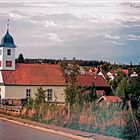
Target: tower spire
x,y
8,25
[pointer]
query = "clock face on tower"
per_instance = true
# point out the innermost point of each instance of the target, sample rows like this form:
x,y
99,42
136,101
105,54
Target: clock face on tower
x,y
8,63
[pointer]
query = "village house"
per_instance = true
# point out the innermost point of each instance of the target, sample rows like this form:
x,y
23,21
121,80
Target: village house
x,y
97,81
22,80
111,76
104,75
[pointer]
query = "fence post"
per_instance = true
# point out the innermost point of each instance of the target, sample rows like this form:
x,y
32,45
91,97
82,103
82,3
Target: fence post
x,y
68,111
132,114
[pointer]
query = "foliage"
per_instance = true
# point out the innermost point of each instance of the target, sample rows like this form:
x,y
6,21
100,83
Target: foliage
x,y
40,96
105,67
74,94
20,58
120,77
74,125
89,94
113,84
122,87
40,102
30,103
70,72
72,91
129,89
106,119
133,93
70,94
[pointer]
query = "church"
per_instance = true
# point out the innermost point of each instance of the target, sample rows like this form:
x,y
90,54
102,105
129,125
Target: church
x,y
19,80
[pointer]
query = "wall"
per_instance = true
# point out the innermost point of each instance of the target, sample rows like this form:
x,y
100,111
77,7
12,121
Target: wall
x,y
18,92
2,91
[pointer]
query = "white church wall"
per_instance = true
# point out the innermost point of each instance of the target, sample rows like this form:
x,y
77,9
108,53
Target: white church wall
x,y
18,92
2,92
4,57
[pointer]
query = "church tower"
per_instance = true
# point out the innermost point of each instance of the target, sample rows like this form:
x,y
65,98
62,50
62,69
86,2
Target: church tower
x,y
7,51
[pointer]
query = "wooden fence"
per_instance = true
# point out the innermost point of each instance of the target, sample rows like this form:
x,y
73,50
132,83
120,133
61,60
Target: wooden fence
x,y
11,108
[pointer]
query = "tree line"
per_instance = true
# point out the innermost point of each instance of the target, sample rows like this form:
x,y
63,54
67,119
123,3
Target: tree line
x,y
106,66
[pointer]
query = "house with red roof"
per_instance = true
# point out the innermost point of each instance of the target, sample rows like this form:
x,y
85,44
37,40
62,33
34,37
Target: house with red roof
x,y
22,80
98,82
125,71
92,71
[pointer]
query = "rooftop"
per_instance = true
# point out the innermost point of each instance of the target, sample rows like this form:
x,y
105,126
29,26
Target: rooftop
x,y
90,80
34,74
7,41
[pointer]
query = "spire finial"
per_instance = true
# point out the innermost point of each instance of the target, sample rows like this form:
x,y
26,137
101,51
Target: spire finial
x,y
8,25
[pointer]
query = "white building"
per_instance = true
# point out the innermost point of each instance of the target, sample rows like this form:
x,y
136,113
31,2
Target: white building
x,y
22,80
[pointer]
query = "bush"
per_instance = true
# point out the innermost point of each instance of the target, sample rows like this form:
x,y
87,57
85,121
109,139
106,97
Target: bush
x,y
113,130
74,125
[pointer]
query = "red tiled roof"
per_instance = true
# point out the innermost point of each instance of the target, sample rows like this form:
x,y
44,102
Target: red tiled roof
x,y
34,74
90,80
125,71
112,99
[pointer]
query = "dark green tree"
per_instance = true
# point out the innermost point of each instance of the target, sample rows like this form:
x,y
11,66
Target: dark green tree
x,y
89,94
20,58
72,91
133,92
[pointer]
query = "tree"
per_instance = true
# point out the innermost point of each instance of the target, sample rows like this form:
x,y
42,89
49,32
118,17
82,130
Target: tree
x,y
122,87
133,93
115,83
105,67
73,94
40,102
72,91
20,58
89,94
40,96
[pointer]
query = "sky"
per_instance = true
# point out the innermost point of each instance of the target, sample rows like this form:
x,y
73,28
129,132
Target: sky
x,y
107,30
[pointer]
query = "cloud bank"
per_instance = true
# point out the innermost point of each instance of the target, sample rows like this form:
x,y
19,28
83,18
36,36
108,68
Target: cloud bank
x,y
85,29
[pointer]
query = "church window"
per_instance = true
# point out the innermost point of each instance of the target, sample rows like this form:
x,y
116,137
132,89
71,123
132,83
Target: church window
x,y
8,51
49,95
8,63
28,93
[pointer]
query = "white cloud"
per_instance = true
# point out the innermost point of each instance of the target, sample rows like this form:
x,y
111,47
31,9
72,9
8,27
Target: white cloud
x,y
49,23
54,37
133,37
108,36
113,42
105,35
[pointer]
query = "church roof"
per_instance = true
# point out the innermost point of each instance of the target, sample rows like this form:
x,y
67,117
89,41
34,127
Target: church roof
x,y
7,41
34,74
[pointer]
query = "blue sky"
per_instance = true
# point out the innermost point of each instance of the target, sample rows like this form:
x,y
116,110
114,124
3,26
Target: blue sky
x,y
86,29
